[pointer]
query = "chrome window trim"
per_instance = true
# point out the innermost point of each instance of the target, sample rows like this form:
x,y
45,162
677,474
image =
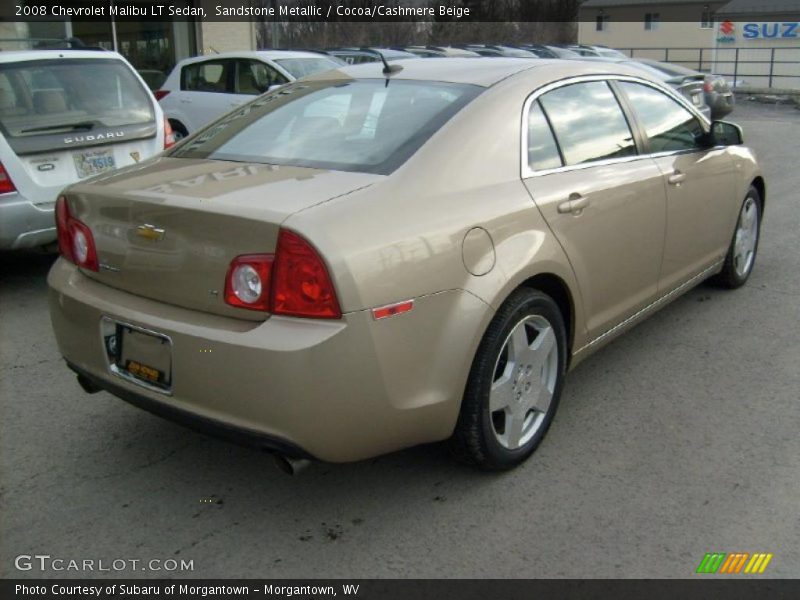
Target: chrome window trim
x,y
526,170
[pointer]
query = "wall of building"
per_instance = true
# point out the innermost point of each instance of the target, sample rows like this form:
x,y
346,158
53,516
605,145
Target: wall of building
x,y
626,27
223,36
735,52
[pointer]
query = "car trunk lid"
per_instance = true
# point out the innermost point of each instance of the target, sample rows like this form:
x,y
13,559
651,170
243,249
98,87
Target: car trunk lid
x,y
168,230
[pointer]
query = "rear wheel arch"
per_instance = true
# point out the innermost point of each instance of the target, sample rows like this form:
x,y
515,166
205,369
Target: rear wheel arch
x,y
761,186
558,290
178,127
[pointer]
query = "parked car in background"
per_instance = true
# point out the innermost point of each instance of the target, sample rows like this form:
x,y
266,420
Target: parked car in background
x,y
497,50
200,89
371,261
691,87
153,78
718,93
441,52
585,50
66,115
356,56
556,51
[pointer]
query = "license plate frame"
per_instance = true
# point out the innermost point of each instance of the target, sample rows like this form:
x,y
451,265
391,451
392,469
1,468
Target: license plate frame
x,y
89,163
139,355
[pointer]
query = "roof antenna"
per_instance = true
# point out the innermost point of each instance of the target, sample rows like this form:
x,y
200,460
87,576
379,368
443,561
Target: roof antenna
x,y
387,68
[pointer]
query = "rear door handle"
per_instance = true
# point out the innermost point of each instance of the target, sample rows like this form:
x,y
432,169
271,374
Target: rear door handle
x,y
676,178
574,205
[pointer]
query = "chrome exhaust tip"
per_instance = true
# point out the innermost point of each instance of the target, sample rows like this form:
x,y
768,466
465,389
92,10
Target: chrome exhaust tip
x,y
290,466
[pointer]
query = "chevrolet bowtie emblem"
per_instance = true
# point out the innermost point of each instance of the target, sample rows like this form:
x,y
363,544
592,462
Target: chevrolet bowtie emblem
x,y
150,232
135,156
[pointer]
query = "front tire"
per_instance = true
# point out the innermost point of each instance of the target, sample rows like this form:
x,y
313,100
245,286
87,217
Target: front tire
x,y
744,246
514,385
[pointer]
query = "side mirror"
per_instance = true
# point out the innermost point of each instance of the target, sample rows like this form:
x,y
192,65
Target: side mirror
x,y
724,133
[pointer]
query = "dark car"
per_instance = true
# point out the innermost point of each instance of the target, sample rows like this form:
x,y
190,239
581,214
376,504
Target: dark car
x,y
355,56
497,50
440,52
718,93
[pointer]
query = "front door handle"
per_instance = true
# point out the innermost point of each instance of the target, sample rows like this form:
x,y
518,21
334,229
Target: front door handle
x,y
676,178
574,205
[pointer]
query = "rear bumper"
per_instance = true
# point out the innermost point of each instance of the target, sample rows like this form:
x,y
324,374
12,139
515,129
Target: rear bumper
x,y
334,390
24,224
239,435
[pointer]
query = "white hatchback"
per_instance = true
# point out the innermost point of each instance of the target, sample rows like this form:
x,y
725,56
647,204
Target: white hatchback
x,y
200,89
66,115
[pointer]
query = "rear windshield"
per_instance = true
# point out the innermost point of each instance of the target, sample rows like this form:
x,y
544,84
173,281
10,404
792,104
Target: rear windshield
x,y
303,67
45,97
366,125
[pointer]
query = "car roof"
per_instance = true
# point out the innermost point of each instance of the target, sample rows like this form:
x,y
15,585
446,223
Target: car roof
x,y
262,54
483,71
21,55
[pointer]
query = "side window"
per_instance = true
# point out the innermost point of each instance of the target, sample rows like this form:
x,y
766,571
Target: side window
x,y
542,148
254,77
588,123
669,126
208,76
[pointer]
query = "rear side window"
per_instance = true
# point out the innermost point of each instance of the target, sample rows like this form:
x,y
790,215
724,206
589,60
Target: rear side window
x,y
542,149
367,125
588,123
254,77
669,126
209,76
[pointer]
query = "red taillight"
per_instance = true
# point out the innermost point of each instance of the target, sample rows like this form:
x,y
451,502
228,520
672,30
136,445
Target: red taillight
x,y
6,185
247,284
169,135
75,240
159,94
301,285
293,282
708,86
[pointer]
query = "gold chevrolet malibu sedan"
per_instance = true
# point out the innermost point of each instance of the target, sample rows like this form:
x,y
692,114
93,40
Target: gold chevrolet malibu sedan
x,y
378,257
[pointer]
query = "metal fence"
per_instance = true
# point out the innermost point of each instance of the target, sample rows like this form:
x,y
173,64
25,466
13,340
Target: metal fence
x,y
777,67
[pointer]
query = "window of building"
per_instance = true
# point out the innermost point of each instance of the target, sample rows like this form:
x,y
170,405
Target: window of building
x,y
651,21
588,123
601,22
669,126
542,149
706,18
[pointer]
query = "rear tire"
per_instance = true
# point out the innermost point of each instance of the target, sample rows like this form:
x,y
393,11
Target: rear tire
x,y
741,256
514,384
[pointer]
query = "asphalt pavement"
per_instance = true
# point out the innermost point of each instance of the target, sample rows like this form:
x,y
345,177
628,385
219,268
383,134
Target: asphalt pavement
x,y
679,438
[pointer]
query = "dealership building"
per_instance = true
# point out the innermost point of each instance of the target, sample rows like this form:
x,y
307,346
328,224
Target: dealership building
x,y
754,42
149,45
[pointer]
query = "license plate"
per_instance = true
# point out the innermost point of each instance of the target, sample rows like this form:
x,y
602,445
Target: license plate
x,y
93,162
139,355
697,99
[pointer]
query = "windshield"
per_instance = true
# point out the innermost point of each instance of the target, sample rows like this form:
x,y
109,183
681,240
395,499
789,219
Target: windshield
x,y
303,67
44,97
367,125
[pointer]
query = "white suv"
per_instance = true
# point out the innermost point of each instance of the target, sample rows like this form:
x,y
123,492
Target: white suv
x,y
203,88
66,115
